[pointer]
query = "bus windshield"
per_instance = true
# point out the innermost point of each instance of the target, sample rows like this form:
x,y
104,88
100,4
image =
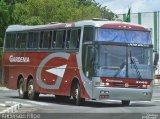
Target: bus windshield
x,y
123,61
123,36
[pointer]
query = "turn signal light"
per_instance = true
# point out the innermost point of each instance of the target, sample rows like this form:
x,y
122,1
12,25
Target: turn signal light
x,y
101,84
146,86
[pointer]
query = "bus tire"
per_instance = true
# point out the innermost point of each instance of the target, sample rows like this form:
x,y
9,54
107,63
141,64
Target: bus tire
x,y
32,94
125,102
77,95
21,89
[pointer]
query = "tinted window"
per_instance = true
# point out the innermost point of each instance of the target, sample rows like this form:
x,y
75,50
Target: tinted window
x,y
24,40
88,34
41,39
54,40
45,39
68,38
33,39
75,38
60,39
7,42
10,40
21,40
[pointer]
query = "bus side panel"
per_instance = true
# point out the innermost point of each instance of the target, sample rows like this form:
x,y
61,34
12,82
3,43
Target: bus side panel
x,y
14,68
71,72
9,78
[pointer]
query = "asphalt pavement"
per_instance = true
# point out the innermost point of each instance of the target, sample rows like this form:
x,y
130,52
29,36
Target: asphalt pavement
x,y
47,107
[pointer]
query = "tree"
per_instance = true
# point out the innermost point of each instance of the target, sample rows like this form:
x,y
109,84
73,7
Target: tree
x,y
45,11
104,12
34,12
127,18
4,20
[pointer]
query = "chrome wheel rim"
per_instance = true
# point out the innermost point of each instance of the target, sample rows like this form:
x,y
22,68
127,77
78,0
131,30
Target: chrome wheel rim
x,y
76,93
21,89
30,89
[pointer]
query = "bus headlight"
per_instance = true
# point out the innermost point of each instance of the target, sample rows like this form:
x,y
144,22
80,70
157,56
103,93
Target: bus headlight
x,y
107,84
146,86
99,84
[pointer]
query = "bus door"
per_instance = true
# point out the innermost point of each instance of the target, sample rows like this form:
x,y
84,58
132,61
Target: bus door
x,y
89,65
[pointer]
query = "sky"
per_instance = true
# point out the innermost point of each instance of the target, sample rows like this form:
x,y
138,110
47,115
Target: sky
x,y
122,6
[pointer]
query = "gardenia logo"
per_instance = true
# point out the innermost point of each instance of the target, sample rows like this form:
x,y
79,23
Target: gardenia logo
x,y
19,59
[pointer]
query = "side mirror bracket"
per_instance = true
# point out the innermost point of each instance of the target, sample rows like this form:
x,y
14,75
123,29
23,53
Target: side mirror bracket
x,y
156,58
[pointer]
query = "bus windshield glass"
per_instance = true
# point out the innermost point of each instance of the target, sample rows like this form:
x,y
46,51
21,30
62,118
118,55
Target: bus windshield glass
x,y
122,61
123,36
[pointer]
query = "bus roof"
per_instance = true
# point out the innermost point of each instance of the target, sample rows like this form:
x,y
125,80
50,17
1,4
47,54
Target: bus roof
x,y
95,23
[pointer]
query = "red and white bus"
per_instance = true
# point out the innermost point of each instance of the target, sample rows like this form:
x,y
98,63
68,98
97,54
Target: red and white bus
x,y
91,59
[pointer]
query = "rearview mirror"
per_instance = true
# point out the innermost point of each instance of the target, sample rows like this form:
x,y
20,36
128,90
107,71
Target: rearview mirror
x,y
156,58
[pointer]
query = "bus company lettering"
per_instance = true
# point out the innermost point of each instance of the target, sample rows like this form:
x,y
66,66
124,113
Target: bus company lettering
x,y
117,81
19,59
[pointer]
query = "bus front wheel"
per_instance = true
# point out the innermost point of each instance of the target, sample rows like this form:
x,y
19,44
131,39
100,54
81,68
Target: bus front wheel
x,y
21,89
32,94
125,102
77,95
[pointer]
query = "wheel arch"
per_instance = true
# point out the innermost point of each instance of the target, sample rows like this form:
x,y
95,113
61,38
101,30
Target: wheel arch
x,y
18,79
30,77
73,82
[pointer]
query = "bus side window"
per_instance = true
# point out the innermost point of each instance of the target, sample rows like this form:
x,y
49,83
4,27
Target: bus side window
x,y
18,40
88,34
79,36
75,38
12,40
68,38
60,39
36,40
54,39
45,39
41,39
8,40
50,39
31,40
23,40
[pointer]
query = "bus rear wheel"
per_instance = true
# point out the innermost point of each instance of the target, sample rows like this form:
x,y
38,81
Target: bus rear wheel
x,y
125,102
21,89
77,95
32,94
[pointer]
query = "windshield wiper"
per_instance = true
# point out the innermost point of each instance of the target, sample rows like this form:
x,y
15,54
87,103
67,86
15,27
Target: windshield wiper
x,y
135,66
120,69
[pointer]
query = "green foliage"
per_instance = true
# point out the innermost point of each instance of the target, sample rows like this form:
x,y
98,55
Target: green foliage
x,y
33,12
3,13
45,11
128,19
4,19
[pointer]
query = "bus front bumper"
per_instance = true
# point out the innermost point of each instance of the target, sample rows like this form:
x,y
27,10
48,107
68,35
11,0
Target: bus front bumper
x,y
108,93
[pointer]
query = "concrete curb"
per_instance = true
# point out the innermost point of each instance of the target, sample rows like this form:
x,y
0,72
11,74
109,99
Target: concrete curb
x,y
11,109
4,89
